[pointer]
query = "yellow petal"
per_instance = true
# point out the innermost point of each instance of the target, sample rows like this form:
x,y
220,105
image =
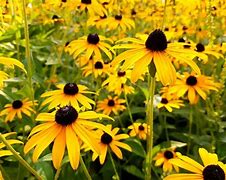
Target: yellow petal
x,y
73,147
59,148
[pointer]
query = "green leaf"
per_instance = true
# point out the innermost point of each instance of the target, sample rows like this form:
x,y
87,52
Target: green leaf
x,y
132,169
136,146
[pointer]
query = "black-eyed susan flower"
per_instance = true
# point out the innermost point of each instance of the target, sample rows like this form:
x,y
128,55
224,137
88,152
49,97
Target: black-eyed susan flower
x,y
92,6
194,85
17,108
212,168
139,129
112,142
121,88
92,44
69,93
97,67
163,158
170,103
4,152
119,21
111,104
154,49
66,127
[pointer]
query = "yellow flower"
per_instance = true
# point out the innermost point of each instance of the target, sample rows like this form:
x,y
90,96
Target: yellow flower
x,y
164,157
194,85
96,67
91,44
10,141
69,93
119,21
154,49
93,7
170,103
139,129
16,108
106,141
111,104
65,127
212,169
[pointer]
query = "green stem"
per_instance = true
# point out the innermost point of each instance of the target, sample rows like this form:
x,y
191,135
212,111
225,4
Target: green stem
x,y
166,130
88,177
28,52
150,112
114,167
190,129
19,158
57,173
128,108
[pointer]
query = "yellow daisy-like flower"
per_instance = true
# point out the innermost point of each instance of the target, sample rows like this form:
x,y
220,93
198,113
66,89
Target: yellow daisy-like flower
x,y
194,85
10,141
112,141
111,104
139,129
154,49
97,67
212,169
170,103
69,93
119,21
163,158
91,44
93,7
65,127
121,88
16,108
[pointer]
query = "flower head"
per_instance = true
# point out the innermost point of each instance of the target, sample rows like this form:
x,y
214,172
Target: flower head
x,y
66,127
17,108
212,169
139,129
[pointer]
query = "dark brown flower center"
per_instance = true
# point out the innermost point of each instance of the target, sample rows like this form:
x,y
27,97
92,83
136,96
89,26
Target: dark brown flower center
x,y
103,17
121,73
17,104
200,47
106,138
164,101
156,41
213,172
191,81
118,17
98,65
66,115
71,89
86,1
55,17
64,1
168,154
111,102
181,40
141,127
93,38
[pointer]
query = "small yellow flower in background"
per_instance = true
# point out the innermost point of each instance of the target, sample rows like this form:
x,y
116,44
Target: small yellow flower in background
x,y
90,45
111,104
65,127
212,168
97,67
121,88
154,48
139,129
170,103
10,141
119,21
163,158
16,108
112,141
92,6
194,85
69,93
